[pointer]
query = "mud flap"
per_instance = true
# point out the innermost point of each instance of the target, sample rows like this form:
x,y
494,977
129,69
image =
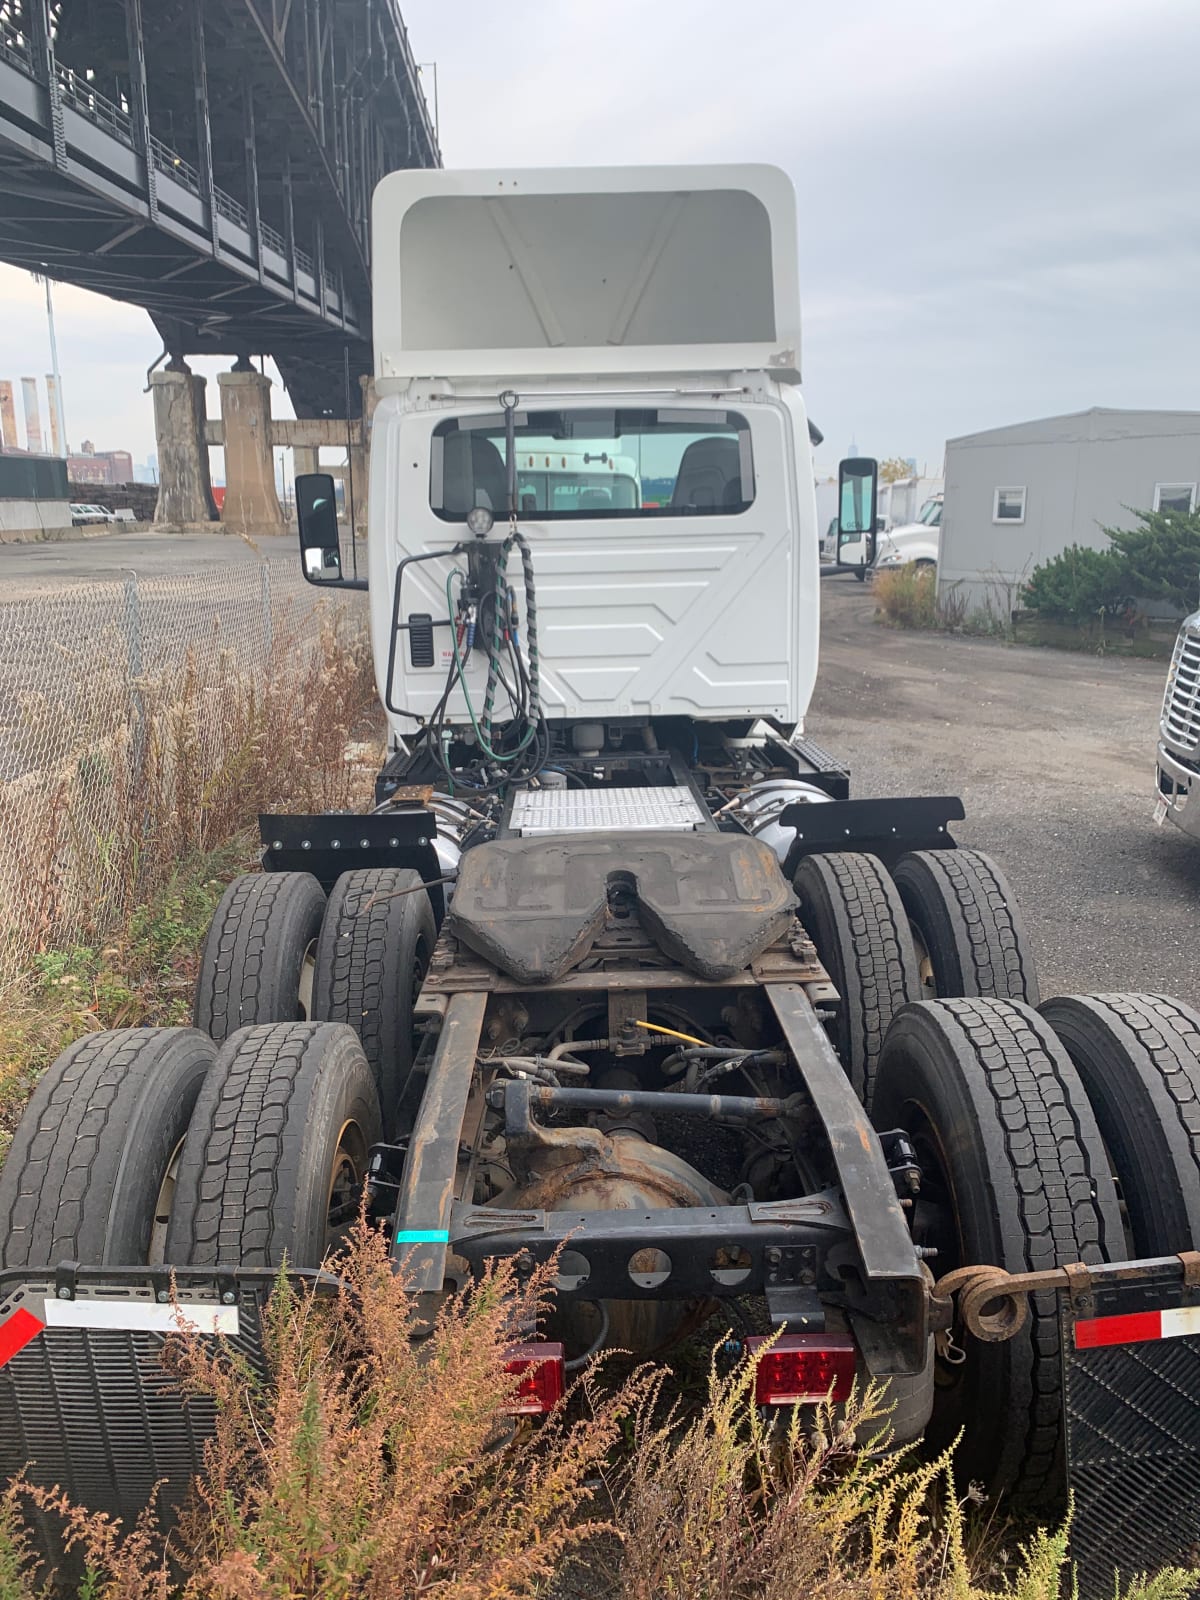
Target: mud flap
x,y
85,1401
1131,1357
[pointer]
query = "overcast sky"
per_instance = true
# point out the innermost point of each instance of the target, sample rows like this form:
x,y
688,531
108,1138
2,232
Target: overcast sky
x,y
997,198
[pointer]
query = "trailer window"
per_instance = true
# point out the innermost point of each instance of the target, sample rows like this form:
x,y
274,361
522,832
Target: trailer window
x,y
595,463
1008,505
1175,497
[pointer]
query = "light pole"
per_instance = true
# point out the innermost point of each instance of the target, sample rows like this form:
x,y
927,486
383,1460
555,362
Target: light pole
x,y
56,397
437,126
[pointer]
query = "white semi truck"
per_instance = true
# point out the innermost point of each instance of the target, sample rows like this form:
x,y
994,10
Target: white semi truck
x,y
615,973
1179,734
919,542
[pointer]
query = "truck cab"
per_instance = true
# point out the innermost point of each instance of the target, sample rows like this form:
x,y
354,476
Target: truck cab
x,y
633,335
918,541
1179,734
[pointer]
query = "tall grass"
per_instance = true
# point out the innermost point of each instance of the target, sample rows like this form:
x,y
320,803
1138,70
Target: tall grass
x,y
372,1464
907,596
368,1464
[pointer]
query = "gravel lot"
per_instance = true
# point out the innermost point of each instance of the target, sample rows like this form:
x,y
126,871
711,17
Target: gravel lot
x,y
25,568
1053,755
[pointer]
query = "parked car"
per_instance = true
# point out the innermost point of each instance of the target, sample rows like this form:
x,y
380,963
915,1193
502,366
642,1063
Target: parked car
x,y
918,541
85,515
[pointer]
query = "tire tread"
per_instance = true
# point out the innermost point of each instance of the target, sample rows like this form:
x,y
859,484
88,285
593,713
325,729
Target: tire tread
x,y
982,925
65,1160
236,1194
852,894
1050,1189
246,950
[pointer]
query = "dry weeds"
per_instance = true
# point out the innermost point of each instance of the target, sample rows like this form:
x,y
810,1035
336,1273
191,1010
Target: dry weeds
x,y
183,764
369,1464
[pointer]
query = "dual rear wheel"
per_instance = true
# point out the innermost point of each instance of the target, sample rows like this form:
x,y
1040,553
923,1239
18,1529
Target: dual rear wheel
x,y
941,924
277,951
246,1137
152,1145
1069,1134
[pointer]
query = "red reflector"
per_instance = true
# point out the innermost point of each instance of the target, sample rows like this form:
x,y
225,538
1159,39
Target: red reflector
x,y
16,1333
1135,1327
803,1367
540,1368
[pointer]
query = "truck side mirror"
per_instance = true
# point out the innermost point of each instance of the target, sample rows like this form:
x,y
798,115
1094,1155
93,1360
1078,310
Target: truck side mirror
x,y
320,541
858,491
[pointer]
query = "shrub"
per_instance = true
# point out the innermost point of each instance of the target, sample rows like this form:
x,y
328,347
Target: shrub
x,y
907,596
368,1465
1081,585
1157,560
1162,556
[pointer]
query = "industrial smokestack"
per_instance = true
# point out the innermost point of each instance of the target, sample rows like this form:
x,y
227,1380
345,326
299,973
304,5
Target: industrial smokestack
x,y
52,402
33,420
8,416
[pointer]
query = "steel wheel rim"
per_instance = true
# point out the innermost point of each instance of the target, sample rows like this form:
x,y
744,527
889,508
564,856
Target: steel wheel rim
x,y
164,1204
347,1171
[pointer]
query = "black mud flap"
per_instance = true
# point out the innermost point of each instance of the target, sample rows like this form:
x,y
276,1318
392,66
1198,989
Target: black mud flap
x,y
85,1401
1131,1356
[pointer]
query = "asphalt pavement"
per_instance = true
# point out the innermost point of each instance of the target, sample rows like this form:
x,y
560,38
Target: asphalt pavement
x,y
1053,755
27,567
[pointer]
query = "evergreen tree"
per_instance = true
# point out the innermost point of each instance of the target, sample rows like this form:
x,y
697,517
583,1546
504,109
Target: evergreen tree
x,y
1162,556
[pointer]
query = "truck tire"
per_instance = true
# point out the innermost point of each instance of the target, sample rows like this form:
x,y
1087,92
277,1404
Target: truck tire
x,y
277,1149
371,959
1014,1174
852,912
89,1172
252,966
969,932
1139,1058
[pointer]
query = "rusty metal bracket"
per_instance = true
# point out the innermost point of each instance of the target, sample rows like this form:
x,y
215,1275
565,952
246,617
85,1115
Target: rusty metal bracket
x,y
994,1304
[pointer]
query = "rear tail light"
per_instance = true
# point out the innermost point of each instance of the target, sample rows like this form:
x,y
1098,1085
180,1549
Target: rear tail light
x,y
541,1371
803,1367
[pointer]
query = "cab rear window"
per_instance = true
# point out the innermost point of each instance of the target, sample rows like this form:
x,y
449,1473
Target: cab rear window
x,y
595,463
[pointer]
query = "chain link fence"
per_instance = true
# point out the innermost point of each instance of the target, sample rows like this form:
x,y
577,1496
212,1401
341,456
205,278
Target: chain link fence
x,y
145,718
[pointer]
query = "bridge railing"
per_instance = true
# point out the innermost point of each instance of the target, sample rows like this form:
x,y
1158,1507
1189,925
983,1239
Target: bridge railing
x,y
168,161
15,45
88,100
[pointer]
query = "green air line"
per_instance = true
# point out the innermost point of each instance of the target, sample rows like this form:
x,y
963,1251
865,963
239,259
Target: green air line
x,y
484,743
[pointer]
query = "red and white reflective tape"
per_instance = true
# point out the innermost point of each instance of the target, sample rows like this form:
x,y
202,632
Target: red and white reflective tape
x,y
1137,1327
125,1316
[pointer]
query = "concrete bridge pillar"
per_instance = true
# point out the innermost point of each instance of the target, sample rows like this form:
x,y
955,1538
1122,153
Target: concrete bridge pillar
x,y
251,502
184,487
358,476
305,458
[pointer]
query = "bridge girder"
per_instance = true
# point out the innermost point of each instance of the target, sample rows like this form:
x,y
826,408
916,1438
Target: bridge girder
x,y
212,161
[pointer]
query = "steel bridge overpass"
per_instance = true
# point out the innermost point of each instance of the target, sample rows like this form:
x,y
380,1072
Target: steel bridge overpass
x,y
212,161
